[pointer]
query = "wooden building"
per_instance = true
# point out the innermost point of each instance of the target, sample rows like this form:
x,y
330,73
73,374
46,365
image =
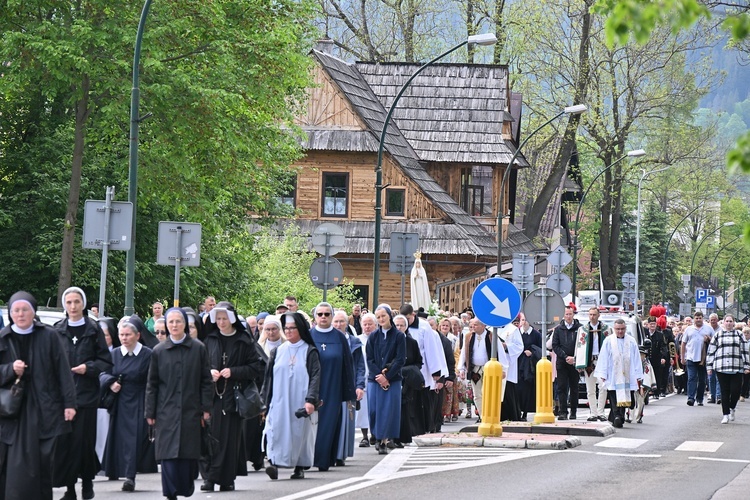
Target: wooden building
x,y
446,149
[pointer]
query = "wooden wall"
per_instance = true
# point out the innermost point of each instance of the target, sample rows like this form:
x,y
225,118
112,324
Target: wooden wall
x,y
326,107
454,297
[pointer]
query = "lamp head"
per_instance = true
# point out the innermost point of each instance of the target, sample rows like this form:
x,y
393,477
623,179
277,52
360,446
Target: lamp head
x,y
575,110
483,39
636,153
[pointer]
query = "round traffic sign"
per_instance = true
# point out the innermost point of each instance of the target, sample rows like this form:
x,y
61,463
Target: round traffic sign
x,y
532,307
318,273
496,302
328,234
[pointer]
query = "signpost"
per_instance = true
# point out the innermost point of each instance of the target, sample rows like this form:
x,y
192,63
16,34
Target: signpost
x,y
543,307
523,271
495,302
178,245
403,248
106,225
328,239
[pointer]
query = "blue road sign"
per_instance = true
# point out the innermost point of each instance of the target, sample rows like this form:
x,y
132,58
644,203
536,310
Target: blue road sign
x,y
700,295
496,302
710,302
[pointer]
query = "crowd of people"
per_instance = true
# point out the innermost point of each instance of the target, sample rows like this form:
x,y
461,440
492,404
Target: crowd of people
x,y
179,389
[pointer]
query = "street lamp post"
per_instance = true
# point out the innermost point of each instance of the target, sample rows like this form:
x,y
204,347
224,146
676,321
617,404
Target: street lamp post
x,y
713,262
726,271
483,39
631,154
135,97
638,231
664,270
692,263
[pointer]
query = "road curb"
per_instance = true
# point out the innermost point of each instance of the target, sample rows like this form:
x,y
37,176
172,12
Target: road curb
x,y
515,440
599,429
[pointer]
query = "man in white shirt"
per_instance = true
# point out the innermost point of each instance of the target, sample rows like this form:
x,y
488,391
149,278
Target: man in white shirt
x,y
474,355
695,340
593,334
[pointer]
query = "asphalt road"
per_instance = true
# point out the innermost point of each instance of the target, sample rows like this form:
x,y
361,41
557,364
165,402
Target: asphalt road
x,y
678,452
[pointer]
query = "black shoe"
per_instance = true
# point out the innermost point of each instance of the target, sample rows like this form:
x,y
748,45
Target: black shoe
x,y
382,450
207,485
718,401
639,421
390,444
479,420
562,417
128,485
272,472
663,395
299,473
87,490
690,402
339,463
258,466
365,443
655,396
700,404
323,469
227,487
618,422
592,419
373,440
70,495
572,416
601,418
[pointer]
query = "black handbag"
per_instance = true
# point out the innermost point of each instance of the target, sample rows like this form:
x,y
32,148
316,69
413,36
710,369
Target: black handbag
x,y
248,400
11,398
109,398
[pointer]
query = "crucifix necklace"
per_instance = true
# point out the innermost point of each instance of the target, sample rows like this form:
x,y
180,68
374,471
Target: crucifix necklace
x,y
323,346
75,340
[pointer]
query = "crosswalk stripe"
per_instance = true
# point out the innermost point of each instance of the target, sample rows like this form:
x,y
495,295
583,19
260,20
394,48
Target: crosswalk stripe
x,y
707,446
616,442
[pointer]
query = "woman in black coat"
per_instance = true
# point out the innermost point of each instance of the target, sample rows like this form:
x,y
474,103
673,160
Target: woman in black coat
x,y
235,363
179,395
32,351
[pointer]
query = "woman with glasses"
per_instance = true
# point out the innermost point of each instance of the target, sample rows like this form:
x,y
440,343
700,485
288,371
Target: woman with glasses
x,y
386,354
291,391
235,363
160,330
336,385
128,448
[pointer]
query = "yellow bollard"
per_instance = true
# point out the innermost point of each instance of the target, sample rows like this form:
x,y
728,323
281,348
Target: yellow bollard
x,y
544,398
492,385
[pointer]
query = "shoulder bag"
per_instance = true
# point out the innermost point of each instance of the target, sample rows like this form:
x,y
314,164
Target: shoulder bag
x,y
11,398
248,400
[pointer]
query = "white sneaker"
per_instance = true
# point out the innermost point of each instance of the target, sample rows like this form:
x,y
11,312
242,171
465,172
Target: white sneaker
x,y
725,419
731,415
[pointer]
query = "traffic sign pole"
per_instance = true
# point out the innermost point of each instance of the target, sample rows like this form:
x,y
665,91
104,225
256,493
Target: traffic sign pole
x,y
177,266
105,249
544,414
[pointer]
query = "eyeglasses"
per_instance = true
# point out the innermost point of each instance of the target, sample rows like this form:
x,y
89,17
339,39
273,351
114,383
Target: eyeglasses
x,y
288,328
322,315
160,332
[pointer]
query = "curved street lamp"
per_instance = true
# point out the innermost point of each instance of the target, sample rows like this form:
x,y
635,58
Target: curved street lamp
x,y
638,231
666,249
570,110
726,271
692,263
483,39
631,154
711,269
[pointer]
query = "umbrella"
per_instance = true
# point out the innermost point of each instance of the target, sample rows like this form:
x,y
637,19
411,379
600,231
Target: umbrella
x,y
420,288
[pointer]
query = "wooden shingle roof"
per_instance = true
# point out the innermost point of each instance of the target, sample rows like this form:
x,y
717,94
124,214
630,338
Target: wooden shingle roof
x,y
449,112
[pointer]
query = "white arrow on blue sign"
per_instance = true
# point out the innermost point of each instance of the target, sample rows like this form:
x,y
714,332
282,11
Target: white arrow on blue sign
x,y
496,302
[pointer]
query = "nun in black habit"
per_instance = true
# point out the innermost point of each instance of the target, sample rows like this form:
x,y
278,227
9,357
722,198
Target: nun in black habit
x,y
32,351
235,363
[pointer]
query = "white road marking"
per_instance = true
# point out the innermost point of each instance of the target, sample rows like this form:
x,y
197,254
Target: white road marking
x,y
606,454
616,442
711,459
707,446
376,476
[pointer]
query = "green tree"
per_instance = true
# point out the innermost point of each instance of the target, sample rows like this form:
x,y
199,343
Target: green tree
x,y
222,81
